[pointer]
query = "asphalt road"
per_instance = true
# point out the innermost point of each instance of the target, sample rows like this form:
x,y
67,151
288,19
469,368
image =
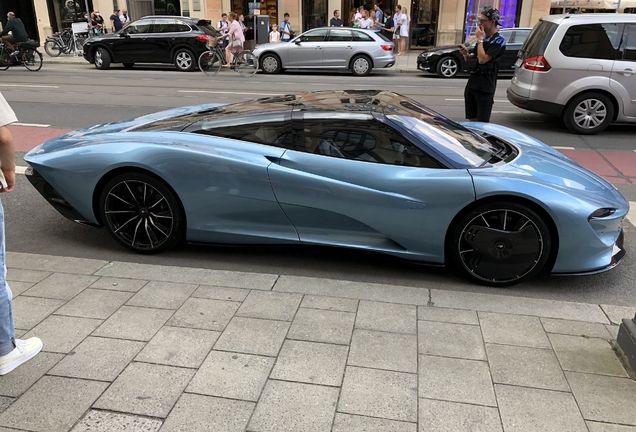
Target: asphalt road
x,y
73,96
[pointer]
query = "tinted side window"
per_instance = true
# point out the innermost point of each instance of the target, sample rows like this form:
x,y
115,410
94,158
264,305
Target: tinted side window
x,y
539,38
139,27
181,27
594,41
314,36
629,44
507,35
340,36
362,37
264,129
164,27
521,36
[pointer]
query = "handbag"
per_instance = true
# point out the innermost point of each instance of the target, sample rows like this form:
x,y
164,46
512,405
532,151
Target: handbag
x,y
236,43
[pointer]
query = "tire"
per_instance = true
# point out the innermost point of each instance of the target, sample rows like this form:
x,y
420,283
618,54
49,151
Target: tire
x,y
184,60
52,48
361,65
247,65
32,59
270,64
141,213
5,60
128,65
210,63
588,113
500,244
447,67
102,59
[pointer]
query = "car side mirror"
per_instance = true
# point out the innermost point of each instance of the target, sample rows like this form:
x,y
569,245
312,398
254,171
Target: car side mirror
x,y
124,35
297,41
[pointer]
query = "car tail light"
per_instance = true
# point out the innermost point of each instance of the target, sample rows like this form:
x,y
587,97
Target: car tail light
x,y
203,38
387,47
537,63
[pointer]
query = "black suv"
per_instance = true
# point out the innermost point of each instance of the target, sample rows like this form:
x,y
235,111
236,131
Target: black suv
x,y
152,39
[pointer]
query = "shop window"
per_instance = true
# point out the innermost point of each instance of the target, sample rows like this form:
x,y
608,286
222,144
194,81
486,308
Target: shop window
x,y
167,7
423,26
509,11
314,14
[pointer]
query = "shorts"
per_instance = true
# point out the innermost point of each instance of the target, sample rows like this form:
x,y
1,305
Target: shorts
x,y
478,104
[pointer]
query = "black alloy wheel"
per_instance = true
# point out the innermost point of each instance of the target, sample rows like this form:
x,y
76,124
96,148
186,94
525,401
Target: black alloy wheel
x,y
142,213
447,67
500,244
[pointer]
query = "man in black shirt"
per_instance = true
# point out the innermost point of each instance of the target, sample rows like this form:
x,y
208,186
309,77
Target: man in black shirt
x,y
18,32
115,21
335,21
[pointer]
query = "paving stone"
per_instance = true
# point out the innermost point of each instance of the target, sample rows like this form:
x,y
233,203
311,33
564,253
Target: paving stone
x,y
527,367
53,263
162,295
281,403
450,340
311,362
518,305
145,389
18,288
456,316
5,402
513,330
119,284
196,276
455,380
381,350
64,400
102,421
530,410
604,427
354,423
603,398
616,314
60,286
221,293
354,290
575,328
204,413
62,333
94,303
270,305
442,416
322,326
232,375
179,346
100,359
27,374
387,317
204,314
29,311
613,330
21,275
134,323
330,303
378,393
253,336
579,354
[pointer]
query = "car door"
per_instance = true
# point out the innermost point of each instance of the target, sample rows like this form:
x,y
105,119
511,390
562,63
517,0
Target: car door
x,y
131,45
162,39
351,180
307,49
338,48
623,78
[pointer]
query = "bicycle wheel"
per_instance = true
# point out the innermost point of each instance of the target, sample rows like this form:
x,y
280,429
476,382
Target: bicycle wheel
x,y
5,60
52,48
246,63
32,59
210,63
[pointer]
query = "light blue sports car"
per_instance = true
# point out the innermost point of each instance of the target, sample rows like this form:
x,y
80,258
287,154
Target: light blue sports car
x,y
369,170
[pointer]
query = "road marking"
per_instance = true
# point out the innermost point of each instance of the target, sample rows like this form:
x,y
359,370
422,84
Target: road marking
x,y
226,92
631,215
28,85
31,125
563,148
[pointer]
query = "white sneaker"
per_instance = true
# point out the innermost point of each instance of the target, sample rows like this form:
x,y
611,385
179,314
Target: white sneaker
x,y
24,350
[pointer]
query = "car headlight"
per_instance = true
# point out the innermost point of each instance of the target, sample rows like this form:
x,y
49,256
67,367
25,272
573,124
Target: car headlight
x,y
601,213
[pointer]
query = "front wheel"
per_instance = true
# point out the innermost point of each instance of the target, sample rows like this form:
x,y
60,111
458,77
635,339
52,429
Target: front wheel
x,y
5,60
247,64
500,244
141,213
52,48
589,113
184,60
361,65
102,59
210,63
32,59
447,67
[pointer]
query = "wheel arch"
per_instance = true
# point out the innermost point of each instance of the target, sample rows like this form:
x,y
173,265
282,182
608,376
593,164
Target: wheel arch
x,y
93,49
604,92
361,54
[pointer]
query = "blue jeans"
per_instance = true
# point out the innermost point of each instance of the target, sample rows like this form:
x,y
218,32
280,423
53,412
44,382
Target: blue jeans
x,y
7,328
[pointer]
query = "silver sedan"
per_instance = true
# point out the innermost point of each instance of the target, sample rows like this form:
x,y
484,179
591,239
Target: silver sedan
x,y
328,48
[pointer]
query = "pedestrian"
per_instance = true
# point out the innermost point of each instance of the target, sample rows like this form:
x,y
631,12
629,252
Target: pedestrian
x,y
388,27
274,35
335,21
479,95
97,23
13,352
222,28
124,18
115,22
379,17
365,22
404,31
352,13
18,32
236,39
286,33
398,20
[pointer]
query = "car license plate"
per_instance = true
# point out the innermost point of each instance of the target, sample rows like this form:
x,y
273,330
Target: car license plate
x,y
518,63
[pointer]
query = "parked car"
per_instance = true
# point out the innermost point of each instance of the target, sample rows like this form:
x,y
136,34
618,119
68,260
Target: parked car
x,y
366,169
447,61
152,39
328,48
580,67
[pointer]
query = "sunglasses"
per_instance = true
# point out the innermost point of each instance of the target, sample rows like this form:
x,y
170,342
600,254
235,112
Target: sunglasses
x,y
481,20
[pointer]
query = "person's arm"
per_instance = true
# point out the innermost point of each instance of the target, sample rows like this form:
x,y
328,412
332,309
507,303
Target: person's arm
x,y
7,161
7,28
112,25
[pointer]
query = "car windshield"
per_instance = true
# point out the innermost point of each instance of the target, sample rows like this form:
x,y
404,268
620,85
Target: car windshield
x,y
454,141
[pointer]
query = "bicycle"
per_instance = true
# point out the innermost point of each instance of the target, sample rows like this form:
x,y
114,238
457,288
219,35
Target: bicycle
x,y
27,55
244,62
64,42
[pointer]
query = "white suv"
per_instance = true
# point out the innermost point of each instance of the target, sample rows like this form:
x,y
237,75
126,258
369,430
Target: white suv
x,y
580,67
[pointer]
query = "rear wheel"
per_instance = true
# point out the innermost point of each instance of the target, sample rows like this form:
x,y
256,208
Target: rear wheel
x,y
52,48
270,64
184,60
32,59
447,67
247,64
361,65
210,62
141,213
5,60
588,113
102,59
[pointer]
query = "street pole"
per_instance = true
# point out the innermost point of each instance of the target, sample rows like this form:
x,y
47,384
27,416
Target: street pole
x,y
565,2
618,6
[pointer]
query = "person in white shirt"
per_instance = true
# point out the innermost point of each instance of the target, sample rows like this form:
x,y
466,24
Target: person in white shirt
x,y
274,35
222,28
358,16
365,22
124,17
398,20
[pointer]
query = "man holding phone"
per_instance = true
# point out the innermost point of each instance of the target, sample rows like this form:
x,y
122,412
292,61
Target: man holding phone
x,y
479,95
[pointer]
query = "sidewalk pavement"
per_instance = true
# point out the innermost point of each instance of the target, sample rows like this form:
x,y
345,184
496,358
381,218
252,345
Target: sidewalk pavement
x,y
404,64
141,347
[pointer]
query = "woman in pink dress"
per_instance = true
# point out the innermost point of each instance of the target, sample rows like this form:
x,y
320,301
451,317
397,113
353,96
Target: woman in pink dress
x,y
237,39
